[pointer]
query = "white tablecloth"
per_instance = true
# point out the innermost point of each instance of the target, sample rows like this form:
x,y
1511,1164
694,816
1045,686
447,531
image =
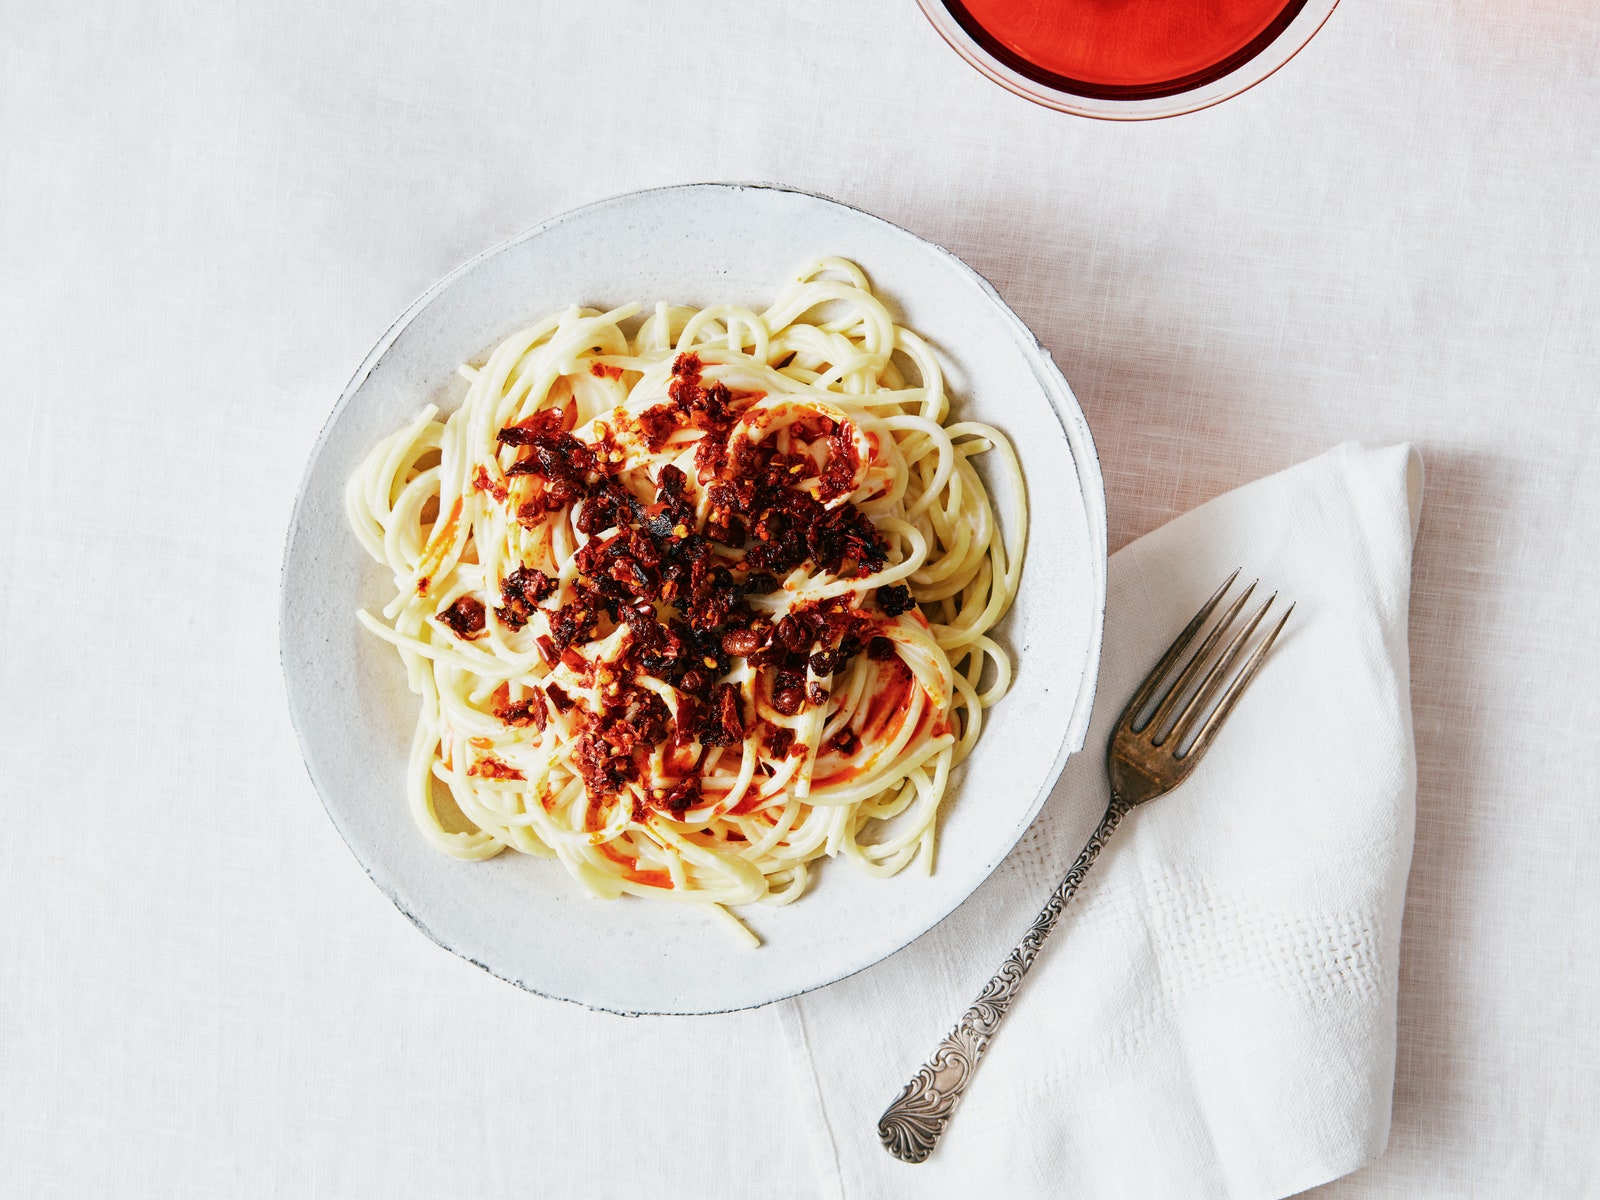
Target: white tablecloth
x,y
207,215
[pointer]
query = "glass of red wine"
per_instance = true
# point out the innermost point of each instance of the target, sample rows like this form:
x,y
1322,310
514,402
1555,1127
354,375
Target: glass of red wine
x,y
1127,60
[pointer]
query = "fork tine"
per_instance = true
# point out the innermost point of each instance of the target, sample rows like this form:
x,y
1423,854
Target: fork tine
x,y
1181,684
1200,702
1236,689
1174,652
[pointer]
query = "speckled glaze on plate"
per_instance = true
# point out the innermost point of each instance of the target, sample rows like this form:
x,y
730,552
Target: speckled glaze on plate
x,y
524,919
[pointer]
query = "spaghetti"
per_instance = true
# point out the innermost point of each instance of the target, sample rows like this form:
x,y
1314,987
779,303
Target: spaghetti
x,y
689,607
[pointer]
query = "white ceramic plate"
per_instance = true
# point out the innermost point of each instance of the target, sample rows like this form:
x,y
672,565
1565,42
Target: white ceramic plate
x,y
525,919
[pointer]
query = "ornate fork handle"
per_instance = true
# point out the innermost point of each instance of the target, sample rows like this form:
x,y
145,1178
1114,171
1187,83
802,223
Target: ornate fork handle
x,y
911,1125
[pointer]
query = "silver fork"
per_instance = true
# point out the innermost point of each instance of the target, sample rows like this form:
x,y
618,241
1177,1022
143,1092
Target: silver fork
x,y
1144,759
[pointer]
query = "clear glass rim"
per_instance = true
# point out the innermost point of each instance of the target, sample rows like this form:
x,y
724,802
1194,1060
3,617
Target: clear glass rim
x,y
1285,46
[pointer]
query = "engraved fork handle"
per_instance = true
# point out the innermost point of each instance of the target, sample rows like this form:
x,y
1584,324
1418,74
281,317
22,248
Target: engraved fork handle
x,y
911,1125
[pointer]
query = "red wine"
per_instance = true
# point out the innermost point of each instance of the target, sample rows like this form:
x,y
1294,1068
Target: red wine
x,y
1124,49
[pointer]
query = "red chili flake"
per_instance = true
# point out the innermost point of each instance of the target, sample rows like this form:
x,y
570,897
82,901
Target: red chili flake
x,y
658,424
648,713
656,519
563,462
710,458
608,455
895,599
637,719
652,640
603,771
778,741
723,524
605,371
482,481
521,592
685,385
604,505
723,724
711,409
880,649
558,698
686,720
528,584
547,650
465,618
573,622
839,476
670,483
683,797
490,767
784,470
845,741
531,711
541,426
816,693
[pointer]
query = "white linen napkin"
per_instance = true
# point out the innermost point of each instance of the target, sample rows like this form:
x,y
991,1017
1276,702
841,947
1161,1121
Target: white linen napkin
x,y
1215,1014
